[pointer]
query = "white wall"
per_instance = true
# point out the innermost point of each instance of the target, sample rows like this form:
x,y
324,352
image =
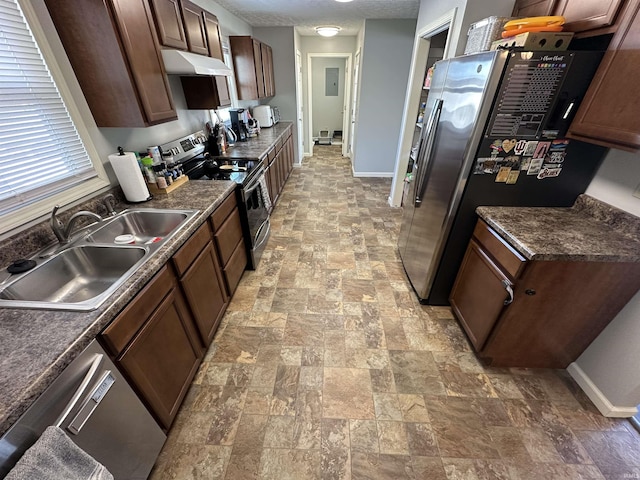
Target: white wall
x,y
430,13
229,23
282,42
612,361
385,62
327,111
317,44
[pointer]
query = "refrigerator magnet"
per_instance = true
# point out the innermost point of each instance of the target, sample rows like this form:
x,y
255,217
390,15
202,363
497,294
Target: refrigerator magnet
x,y
520,147
534,166
530,148
512,178
496,147
503,174
559,145
541,149
524,165
480,167
512,162
490,166
549,173
555,157
507,145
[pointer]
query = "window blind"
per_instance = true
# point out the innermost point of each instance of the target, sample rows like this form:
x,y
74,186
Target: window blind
x,y
41,152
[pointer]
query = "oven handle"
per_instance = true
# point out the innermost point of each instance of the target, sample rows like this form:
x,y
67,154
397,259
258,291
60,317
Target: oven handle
x,y
255,182
265,227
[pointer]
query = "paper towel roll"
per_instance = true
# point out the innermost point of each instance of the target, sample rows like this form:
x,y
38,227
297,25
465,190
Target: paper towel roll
x,y
130,177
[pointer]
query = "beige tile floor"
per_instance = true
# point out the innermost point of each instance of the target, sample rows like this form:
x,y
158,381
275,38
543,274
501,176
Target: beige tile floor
x,y
327,367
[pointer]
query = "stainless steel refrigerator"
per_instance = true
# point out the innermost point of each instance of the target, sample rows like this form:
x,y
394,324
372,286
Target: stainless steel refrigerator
x,y
494,128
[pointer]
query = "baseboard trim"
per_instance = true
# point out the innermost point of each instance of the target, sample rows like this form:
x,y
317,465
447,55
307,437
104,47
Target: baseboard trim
x,y
598,398
372,174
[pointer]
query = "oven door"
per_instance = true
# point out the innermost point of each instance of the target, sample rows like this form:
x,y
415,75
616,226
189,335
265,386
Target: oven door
x,y
256,202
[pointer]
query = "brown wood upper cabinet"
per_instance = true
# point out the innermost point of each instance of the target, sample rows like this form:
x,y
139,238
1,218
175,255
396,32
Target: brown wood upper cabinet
x,y
608,114
253,69
267,69
583,15
533,8
586,17
194,28
116,59
168,17
183,25
214,40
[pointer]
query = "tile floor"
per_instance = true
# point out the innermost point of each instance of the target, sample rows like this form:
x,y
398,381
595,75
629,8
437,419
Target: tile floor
x,y
327,367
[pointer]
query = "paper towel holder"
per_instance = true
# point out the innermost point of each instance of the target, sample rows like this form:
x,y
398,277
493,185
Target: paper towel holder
x,y
130,177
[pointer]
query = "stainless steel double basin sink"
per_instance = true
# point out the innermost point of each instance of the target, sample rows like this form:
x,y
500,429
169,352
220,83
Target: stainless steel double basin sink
x,y
84,273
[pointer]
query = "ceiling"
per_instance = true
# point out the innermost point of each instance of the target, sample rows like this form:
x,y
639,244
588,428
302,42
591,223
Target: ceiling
x,y
307,14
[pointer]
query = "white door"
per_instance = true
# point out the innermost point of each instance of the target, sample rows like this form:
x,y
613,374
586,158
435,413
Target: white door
x,y
299,105
354,103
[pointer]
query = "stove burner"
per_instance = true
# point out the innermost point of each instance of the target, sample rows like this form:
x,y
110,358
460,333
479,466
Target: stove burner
x,y
204,167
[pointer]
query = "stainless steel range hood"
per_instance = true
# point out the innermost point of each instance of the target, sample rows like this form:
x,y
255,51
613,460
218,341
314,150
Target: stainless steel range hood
x,y
178,62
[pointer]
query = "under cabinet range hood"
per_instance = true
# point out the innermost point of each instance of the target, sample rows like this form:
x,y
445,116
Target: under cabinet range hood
x,y
185,63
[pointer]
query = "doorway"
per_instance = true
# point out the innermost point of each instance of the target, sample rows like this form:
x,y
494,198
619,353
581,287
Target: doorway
x,y
299,110
354,105
328,95
434,36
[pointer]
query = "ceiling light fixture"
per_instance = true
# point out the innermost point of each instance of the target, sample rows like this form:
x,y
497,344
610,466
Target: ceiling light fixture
x,y
344,1
328,31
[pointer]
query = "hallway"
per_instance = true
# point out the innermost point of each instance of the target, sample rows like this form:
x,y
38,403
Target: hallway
x,y
327,367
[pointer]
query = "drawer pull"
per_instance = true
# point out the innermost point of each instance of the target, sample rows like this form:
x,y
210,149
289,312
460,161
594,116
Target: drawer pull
x,y
507,287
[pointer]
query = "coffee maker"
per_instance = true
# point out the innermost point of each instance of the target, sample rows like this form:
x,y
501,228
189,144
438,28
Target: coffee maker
x,y
239,121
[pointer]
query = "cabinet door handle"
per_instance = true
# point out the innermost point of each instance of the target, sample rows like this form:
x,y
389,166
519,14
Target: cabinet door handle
x,y
507,287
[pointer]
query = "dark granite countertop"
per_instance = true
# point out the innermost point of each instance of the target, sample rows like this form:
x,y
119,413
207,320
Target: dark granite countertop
x,y
257,147
588,231
36,345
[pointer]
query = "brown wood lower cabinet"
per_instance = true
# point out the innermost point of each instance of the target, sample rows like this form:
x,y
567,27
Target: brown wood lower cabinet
x,y
478,296
202,283
154,342
229,241
556,308
280,165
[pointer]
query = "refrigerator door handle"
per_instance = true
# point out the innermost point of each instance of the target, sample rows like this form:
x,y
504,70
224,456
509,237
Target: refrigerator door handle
x,y
434,120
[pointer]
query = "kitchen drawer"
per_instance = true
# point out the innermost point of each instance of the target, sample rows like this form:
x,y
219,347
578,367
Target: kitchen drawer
x,y
271,154
222,212
503,253
235,267
191,249
118,334
279,143
228,236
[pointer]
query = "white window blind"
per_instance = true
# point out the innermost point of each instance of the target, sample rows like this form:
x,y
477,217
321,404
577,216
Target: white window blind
x,y
41,153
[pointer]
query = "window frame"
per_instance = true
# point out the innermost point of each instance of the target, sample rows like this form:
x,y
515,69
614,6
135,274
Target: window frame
x,y
30,214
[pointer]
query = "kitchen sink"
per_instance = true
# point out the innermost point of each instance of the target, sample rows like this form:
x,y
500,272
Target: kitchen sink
x,y
146,226
80,276
76,277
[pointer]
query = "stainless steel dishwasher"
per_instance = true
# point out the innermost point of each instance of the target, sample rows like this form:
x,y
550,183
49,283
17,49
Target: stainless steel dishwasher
x,y
99,411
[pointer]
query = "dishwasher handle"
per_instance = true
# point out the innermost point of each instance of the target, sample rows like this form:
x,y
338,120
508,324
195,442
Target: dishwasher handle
x,y
81,389
88,407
